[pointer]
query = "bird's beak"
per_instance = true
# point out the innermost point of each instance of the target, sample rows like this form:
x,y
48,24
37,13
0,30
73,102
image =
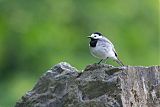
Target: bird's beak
x,y
89,37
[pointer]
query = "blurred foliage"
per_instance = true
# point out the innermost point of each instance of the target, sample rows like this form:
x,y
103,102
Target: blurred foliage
x,y
36,34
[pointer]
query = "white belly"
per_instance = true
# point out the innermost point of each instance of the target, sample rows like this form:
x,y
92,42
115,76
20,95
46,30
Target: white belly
x,y
99,52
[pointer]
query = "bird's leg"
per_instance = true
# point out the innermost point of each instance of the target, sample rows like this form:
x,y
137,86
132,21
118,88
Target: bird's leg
x,y
106,59
119,62
100,61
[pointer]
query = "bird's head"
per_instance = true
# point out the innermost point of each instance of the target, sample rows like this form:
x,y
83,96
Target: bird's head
x,y
95,35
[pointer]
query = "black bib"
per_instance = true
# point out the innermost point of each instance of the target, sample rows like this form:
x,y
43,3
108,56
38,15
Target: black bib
x,y
93,42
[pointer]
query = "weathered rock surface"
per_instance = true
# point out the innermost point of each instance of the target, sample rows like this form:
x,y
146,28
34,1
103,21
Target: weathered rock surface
x,y
98,86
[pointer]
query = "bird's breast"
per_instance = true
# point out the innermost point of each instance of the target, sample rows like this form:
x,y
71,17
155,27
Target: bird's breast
x,y
102,51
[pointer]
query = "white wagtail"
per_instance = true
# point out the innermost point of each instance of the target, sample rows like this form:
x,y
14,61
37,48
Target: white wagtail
x,y
102,48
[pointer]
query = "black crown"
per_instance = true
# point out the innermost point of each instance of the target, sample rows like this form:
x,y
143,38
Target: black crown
x,y
100,34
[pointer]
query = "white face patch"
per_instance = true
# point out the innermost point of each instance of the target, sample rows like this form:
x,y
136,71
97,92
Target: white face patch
x,y
96,36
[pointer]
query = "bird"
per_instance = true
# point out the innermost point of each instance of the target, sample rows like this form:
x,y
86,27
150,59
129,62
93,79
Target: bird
x,y
102,48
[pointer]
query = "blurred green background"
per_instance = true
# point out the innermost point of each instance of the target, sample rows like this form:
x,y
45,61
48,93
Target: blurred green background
x,y
37,34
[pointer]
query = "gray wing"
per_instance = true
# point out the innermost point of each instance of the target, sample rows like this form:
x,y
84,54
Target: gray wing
x,y
107,43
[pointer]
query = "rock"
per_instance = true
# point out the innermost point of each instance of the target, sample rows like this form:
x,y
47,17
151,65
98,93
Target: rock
x,y
98,86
